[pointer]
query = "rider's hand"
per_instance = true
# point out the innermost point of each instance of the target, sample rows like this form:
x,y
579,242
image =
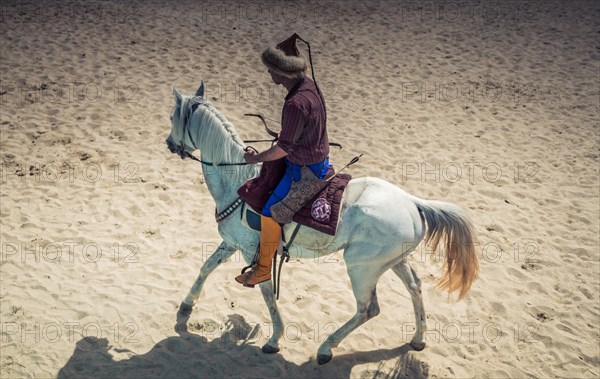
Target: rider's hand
x,y
251,156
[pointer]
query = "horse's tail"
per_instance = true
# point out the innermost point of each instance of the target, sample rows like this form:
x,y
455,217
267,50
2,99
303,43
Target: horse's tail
x,y
449,225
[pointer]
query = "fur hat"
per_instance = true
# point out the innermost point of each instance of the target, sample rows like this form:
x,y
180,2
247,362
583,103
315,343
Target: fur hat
x,y
285,59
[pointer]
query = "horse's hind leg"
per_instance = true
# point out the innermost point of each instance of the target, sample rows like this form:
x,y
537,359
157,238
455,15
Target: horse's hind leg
x,y
413,284
363,286
222,253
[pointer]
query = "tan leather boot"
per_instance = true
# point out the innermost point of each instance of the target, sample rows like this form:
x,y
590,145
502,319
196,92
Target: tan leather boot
x,y
270,236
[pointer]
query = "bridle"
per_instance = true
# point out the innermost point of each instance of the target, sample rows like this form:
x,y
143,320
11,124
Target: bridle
x,y
179,150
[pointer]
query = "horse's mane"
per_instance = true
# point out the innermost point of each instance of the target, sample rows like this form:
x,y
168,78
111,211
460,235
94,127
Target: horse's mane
x,y
216,137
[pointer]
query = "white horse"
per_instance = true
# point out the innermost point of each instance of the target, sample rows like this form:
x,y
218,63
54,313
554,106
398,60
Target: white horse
x,y
380,224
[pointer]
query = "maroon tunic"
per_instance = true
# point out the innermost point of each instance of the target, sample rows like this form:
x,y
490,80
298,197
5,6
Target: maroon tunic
x,y
303,133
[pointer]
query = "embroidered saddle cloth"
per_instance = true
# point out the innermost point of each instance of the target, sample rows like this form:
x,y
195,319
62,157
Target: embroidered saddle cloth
x,y
321,212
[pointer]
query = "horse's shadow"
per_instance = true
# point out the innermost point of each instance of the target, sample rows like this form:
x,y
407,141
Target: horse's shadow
x,y
192,355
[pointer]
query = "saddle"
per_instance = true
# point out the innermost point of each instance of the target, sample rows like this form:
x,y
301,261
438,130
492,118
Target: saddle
x,y
320,213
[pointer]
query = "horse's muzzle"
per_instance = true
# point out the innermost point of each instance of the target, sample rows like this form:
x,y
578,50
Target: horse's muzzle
x,y
175,149
172,147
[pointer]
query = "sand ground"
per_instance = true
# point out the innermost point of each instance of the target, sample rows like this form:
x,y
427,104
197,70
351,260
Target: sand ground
x,y
489,105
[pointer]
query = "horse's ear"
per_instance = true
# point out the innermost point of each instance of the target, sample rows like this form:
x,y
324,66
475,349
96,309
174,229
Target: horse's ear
x,y
200,91
177,95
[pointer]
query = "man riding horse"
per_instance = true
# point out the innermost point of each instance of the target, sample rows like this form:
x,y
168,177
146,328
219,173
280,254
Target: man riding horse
x,y
303,141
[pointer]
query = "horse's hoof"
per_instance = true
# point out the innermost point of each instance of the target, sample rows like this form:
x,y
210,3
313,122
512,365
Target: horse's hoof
x,y
418,346
268,349
185,309
323,358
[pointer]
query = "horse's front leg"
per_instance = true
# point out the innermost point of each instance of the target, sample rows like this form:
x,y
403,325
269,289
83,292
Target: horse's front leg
x,y
272,346
223,252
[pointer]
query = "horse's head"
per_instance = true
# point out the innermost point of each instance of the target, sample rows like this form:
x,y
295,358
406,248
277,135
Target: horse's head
x,y
198,125
178,140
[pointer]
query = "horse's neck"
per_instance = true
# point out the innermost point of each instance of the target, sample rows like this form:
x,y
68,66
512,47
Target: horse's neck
x,y
223,181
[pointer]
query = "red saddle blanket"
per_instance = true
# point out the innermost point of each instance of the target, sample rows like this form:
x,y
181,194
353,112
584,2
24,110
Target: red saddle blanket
x,y
321,213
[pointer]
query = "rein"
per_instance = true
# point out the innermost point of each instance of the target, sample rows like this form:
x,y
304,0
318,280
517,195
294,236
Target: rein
x,y
185,154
